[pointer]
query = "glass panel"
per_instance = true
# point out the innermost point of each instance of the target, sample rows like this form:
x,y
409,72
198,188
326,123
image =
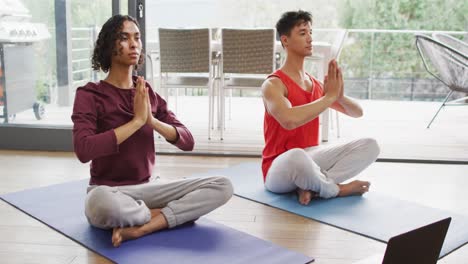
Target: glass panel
x,y
29,90
381,66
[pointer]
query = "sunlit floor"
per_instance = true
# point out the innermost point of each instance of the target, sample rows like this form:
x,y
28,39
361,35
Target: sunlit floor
x,y
25,240
399,127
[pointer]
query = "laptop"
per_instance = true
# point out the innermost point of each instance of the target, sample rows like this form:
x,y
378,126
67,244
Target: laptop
x,y
421,245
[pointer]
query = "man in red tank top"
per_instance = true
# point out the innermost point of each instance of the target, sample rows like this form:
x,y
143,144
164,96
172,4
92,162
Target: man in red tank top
x,y
292,157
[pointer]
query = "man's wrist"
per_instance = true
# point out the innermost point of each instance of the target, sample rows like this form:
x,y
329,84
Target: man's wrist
x,y
330,99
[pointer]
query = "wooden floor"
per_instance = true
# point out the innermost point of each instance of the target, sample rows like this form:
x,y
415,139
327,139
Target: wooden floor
x,y
25,240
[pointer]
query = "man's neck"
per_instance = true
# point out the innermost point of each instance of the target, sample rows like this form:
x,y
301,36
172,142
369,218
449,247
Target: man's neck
x,y
120,77
294,67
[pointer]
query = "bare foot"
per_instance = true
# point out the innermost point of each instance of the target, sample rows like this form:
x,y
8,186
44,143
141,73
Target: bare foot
x,y
121,234
157,222
155,212
354,188
305,196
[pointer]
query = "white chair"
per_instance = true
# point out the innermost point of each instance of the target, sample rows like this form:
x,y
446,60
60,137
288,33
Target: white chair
x,y
247,57
186,62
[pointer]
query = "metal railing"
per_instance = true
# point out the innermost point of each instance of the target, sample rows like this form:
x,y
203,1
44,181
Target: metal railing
x,y
370,75
82,48
367,72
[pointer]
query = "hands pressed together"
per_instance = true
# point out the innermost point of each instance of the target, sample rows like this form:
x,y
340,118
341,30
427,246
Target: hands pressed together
x,y
141,103
333,88
333,83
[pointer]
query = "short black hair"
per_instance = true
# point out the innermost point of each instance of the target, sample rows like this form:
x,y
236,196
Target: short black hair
x,y
105,46
291,19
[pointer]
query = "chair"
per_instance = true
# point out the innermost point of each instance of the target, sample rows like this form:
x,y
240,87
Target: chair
x,y
340,36
451,42
185,58
247,57
447,64
337,38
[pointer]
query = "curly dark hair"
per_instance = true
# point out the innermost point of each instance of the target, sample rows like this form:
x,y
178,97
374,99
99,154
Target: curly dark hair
x,y
291,19
105,46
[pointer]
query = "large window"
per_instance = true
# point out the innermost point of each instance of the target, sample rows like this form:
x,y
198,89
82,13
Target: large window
x,y
380,62
33,91
381,67
379,58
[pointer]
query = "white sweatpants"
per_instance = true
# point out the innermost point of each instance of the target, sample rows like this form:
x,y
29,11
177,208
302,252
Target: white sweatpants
x,y
320,168
181,201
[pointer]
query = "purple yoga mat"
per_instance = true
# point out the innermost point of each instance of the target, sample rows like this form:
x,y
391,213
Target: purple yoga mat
x,y
62,208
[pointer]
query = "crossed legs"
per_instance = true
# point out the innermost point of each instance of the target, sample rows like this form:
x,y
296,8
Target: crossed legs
x,y
321,171
137,210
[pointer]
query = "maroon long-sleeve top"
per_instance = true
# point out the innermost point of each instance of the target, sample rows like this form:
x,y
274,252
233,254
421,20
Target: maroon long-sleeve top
x,y
99,108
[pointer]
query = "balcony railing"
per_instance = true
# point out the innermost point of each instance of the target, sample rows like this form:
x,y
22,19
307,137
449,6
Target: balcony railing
x,y
384,64
82,49
378,64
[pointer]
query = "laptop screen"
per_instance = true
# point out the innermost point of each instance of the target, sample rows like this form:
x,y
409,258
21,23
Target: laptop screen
x,y
421,245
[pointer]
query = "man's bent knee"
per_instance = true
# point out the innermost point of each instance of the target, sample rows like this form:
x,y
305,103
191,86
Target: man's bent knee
x,y
372,147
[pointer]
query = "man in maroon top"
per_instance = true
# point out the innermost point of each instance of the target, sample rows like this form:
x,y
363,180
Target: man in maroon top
x,y
114,121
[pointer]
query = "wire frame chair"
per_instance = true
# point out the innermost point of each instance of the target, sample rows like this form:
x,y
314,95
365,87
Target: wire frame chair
x,y
452,42
447,64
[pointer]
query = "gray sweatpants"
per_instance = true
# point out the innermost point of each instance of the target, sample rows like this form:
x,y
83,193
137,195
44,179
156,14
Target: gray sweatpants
x,y
181,201
320,168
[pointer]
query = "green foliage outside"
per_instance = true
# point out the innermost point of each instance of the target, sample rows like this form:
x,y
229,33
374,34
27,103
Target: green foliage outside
x,y
84,14
366,57
394,54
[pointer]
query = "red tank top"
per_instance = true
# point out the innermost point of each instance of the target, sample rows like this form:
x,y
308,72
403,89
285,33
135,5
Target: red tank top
x,y
279,139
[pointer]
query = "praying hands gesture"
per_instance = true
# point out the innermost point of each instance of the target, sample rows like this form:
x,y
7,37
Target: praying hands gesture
x,y
333,83
141,103
144,115
334,89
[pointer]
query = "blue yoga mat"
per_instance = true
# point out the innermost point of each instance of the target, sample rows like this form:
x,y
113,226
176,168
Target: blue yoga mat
x,y
62,208
372,215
